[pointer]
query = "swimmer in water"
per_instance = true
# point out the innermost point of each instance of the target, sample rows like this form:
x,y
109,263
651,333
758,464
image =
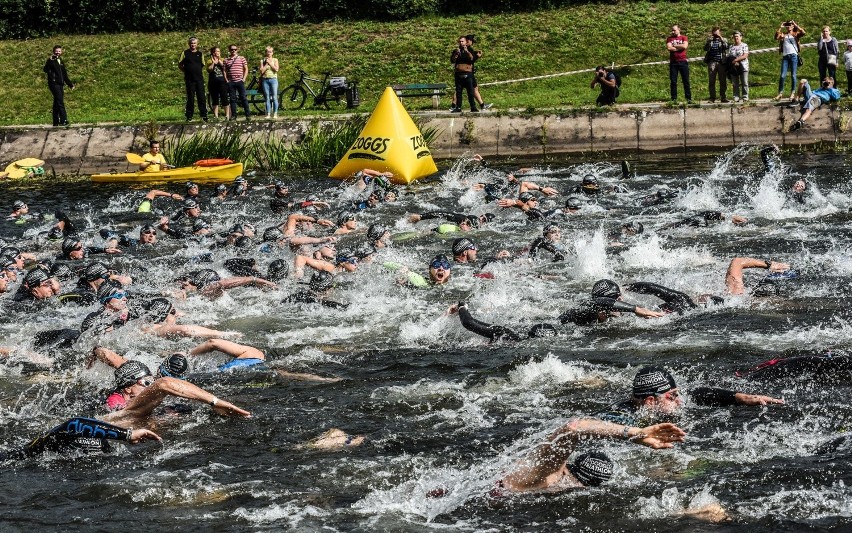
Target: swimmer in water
x,y
319,288
494,332
146,206
346,223
656,396
72,248
546,469
605,303
549,240
526,202
147,238
207,283
734,276
345,261
160,319
243,355
705,219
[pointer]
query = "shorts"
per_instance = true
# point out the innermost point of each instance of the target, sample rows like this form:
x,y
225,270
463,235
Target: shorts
x,y
218,92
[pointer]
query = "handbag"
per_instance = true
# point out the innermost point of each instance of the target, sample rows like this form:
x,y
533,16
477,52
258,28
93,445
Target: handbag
x,y
831,60
801,60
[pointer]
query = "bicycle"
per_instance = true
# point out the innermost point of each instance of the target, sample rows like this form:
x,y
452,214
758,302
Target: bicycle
x,y
331,90
255,95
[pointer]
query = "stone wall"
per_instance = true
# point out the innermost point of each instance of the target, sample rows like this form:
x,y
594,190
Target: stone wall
x,y
645,129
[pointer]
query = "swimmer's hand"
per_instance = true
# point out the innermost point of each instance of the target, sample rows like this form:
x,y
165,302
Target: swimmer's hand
x,y
453,309
112,250
325,222
549,191
414,218
736,219
756,399
507,202
226,408
659,436
778,267
647,313
503,254
478,186
138,435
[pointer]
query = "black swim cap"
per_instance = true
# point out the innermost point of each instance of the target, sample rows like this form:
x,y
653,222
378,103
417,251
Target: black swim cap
x,y
606,288
69,245
6,262
634,226
18,205
55,233
462,245
573,203
61,271
148,227
242,242
107,289
272,234
221,188
592,468
590,182
542,330
321,281
10,251
280,184
278,270
174,366
200,278
158,310
36,277
96,270
550,227
189,203
240,179
375,231
344,217
190,185
343,255
652,380
129,373
526,197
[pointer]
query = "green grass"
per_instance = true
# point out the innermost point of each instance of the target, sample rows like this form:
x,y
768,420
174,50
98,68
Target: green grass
x,y
134,78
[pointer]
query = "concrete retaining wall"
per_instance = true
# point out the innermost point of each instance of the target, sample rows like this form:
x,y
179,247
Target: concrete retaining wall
x,y
649,129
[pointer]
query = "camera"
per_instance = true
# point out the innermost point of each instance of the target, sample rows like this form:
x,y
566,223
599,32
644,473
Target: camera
x,y
788,23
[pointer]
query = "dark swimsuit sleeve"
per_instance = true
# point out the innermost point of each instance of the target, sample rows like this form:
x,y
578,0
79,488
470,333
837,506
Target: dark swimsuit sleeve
x,y
333,305
534,214
712,396
712,216
674,300
489,331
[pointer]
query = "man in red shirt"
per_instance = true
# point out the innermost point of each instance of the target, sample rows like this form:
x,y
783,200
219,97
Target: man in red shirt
x,y
236,70
677,44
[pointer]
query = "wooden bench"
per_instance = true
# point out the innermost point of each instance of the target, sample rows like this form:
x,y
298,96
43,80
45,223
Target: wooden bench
x,y
435,90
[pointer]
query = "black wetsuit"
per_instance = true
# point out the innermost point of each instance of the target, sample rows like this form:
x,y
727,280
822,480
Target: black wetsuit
x,y
308,297
587,313
675,301
455,218
626,413
702,219
489,331
101,320
770,159
550,246
80,435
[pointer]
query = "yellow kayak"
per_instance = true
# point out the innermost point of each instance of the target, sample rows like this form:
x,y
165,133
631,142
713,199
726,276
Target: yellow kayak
x,y
220,173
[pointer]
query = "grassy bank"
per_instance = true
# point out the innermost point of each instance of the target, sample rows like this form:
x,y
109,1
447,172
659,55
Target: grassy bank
x,y
134,77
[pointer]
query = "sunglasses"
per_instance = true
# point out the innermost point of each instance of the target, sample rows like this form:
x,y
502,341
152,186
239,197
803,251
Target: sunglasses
x,y
350,260
145,382
232,49
671,395
445,265
149,232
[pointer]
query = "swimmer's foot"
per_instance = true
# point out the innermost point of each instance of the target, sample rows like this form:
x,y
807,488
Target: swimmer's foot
x,y
299,376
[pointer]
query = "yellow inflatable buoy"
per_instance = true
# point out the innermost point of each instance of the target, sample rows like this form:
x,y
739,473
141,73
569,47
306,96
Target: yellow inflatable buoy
x,y
389,142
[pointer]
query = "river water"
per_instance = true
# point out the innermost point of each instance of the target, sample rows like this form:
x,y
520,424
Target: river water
x,y
440,406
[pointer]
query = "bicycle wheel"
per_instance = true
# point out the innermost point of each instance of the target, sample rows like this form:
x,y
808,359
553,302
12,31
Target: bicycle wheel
x,y
334,102
292,97
258,101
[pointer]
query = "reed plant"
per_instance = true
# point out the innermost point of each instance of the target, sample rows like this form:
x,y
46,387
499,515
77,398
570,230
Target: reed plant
x,y
183,150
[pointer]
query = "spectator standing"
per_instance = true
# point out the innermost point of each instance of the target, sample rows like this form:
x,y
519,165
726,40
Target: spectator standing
x,y
847,64
236,70
677,45
269,81
716,47
609,86
788,36
462,59
191,63
828,50
476,94
738,67
216,84
57,79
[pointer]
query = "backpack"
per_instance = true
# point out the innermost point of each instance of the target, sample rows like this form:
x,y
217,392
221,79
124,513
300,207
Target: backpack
x,y
617,84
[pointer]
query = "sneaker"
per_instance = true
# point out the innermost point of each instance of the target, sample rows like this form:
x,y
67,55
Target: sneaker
x,y
736,98
745,98
274,115
712,101
268,115
455,110
796,125
486,106
474,110
724,100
